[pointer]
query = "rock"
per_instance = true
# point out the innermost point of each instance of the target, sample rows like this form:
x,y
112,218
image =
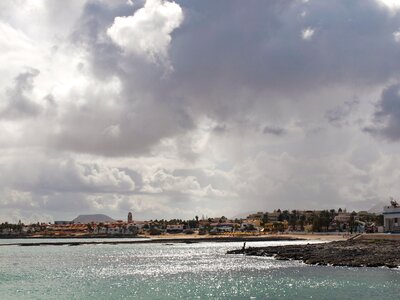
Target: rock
x,y
353,253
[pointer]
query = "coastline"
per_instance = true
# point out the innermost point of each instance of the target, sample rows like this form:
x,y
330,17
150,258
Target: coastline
x,y
358,252
170,238
161,239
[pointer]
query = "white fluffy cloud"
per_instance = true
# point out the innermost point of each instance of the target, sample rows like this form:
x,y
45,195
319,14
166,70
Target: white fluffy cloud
x,y
307,33
148,32
396,36
390,4
268,106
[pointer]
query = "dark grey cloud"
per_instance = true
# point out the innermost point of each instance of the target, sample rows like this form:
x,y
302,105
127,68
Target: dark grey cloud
x,y
338,115
278,131
222,51
230,61
19,103
387,116
186,133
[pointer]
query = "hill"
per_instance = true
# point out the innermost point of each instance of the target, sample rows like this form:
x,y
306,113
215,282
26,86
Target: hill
x,y
85,219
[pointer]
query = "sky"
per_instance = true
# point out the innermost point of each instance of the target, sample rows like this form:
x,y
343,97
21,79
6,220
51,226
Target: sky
x,y
208,108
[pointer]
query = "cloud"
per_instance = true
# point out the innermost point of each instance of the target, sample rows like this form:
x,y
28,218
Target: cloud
x,y
396,36
274,130
386,121
46,176
338,116
148,32
307,33
20,103
265,106
392,5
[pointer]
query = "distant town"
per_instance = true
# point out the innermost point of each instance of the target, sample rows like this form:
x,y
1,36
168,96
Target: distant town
x,y
276,221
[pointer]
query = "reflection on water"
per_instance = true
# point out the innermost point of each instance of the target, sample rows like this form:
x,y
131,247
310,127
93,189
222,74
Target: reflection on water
x,y
187,271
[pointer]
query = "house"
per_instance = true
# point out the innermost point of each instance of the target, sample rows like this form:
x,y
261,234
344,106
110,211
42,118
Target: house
x,y
63,222
249,226
274,216
256,216
222,227
391,217
139,224
343,217
116,229
176,228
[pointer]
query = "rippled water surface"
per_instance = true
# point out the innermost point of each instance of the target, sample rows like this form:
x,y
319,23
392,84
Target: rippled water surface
x,y
179,271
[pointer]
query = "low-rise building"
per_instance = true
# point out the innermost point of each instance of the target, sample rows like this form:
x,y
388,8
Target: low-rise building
x,y
343,217
391,218
175,228
249,226
63,222
274,216
222,227
256,216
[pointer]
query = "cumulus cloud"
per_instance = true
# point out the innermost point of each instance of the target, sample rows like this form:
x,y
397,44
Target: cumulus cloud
x,y
148,32
387,116
19,102
396,36
57,175
274,130
163,181
266,106
338,116
393,5
307,33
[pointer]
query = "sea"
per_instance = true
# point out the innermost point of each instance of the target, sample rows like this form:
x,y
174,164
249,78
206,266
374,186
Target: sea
x,y
179,271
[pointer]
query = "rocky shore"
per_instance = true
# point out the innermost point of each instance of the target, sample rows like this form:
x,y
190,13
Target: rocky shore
x,y
352,253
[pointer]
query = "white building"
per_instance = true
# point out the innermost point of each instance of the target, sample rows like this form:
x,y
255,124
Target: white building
x,y
391,216
175,228
222,227
343,217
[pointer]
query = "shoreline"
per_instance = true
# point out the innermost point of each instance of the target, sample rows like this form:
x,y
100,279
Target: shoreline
x,y
302,236
358,252
161,240
170,238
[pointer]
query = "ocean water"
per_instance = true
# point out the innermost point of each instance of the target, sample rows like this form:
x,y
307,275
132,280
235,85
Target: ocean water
x,y
179,271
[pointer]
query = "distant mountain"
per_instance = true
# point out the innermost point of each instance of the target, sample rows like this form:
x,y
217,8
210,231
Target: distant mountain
x,y
99,218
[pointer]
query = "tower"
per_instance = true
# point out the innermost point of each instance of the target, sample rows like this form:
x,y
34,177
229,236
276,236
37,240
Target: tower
x,y
129,217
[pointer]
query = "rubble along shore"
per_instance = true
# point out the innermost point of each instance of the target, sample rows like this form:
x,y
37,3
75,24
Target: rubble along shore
x,y
350,253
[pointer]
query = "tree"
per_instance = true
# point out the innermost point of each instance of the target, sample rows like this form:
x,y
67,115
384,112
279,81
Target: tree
x,y
293,217
316,223
285,215
352,221
278,226
192,224
379,220
265,218
325,219
302,221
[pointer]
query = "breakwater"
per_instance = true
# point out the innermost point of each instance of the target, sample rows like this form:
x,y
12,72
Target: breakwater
x,y
351,253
